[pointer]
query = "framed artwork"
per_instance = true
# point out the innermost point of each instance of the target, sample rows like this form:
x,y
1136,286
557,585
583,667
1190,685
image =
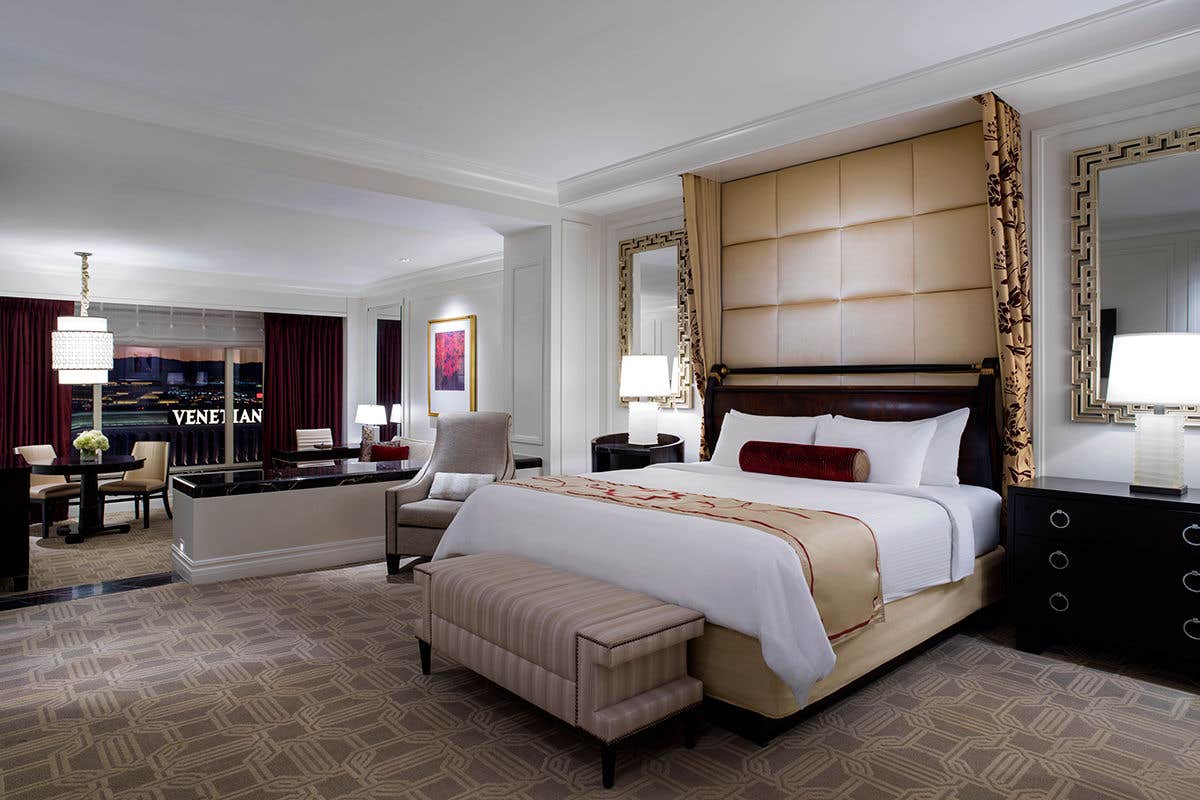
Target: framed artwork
x,y
451,352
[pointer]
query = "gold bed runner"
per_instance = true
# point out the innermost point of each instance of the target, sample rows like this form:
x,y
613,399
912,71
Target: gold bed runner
x,y
839,550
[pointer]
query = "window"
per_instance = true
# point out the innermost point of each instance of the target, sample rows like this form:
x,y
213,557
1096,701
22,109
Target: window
x,y
204,396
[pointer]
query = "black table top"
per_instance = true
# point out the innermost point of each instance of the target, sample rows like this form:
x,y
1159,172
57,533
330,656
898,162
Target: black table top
x,y
317,453
282,479
620,441
1087,487
73,465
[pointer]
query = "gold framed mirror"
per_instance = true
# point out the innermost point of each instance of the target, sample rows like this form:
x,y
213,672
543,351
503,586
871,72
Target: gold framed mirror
x,y
1135,256
652,307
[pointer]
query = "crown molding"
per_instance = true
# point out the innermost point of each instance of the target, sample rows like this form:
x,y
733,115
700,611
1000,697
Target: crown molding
x,y
54,85
652,177
390,290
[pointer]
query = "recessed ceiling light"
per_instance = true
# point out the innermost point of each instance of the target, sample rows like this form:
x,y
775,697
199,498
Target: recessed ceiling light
x,y
405,260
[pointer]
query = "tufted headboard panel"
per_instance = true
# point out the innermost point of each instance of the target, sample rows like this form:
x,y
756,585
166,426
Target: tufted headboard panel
x,y
874,257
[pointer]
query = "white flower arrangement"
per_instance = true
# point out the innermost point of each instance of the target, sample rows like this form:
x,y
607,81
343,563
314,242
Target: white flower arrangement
x,y
91,442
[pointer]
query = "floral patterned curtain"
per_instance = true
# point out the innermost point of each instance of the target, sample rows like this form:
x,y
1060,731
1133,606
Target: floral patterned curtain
x,y
702,278
1010,281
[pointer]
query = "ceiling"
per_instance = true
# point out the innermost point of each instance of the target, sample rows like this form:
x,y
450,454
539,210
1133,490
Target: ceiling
x,y
153,132
543,88
142,198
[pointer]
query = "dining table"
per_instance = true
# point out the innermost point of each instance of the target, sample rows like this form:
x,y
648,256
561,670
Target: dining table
x,y
89,470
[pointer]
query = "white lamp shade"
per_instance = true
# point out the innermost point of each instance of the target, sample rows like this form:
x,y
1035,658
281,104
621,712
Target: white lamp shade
x,y
370,415
1155,369
644,376
397,412
81,350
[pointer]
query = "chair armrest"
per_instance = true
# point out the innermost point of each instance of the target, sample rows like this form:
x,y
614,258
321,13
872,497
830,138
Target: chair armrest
x,y
411,492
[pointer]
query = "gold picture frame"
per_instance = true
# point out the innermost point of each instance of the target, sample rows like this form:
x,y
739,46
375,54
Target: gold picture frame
x,y
1086,166
465,325
683,379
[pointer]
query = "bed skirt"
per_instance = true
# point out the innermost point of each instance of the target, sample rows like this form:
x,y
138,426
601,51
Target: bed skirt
x,y
731,665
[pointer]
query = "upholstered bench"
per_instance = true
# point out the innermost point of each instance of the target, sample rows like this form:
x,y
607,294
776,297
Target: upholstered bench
x,y
602,658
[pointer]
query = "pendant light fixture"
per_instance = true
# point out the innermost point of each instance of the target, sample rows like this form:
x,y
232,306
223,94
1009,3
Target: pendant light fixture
x,y
82,347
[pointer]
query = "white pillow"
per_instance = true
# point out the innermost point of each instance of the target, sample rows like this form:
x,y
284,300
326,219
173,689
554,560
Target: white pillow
x,y
738,428
941,462
457,485
897,449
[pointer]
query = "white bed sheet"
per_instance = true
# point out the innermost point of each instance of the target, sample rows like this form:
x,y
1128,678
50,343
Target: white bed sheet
x,y
737,576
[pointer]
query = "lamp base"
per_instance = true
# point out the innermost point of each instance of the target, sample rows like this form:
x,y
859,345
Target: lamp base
x,y
1174,491
1158,454
368,441
643,422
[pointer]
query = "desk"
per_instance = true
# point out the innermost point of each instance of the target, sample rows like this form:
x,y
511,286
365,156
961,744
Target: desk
x,y
249,522
89,472
292,457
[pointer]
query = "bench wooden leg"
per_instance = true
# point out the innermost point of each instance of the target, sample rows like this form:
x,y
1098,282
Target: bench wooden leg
x,y
426,656
393,563
608,764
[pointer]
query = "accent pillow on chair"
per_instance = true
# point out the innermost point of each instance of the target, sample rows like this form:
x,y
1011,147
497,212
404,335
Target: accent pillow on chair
x,y
457,485
806,461
389,452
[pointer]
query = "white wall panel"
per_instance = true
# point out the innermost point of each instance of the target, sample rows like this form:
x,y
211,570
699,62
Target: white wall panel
x,y
529,353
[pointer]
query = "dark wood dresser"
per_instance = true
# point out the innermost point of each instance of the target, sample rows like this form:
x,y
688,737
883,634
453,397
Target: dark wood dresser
x,y
1092,560
613,451
14,523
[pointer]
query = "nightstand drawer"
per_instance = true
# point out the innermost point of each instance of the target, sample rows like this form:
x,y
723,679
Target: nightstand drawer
x,y
1063,516
1169,630
1174,533
1092,560
1061,584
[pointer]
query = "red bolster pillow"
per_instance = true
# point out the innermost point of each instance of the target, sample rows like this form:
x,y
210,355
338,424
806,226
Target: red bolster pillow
x,y
806,461
386,452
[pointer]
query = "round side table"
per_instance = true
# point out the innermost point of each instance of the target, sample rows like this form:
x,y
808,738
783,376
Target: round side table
x,y
613,451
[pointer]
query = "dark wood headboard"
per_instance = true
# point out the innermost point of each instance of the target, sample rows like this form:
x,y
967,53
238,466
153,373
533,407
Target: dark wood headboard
x,y
979,459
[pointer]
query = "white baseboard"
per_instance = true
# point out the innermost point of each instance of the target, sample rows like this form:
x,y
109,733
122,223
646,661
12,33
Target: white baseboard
x,y
278,562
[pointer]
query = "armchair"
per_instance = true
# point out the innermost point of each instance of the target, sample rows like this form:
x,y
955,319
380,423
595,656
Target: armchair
x,y
475,442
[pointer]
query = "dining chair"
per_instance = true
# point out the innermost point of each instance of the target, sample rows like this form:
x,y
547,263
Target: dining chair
x,y
143,483
47,491
309,438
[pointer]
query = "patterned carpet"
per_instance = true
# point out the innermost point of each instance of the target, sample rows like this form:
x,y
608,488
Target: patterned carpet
x,y
308,686
53,563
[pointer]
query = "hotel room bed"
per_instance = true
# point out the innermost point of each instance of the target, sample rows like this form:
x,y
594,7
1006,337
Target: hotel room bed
x,y
765,649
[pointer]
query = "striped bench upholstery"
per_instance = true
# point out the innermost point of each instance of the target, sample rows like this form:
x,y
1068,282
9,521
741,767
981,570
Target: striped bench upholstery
x,y
605,659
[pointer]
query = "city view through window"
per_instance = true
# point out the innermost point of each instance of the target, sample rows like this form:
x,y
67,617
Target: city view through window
x,y
179,394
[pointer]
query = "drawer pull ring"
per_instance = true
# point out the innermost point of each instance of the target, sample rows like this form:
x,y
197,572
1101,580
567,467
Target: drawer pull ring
x,y
1187,629
1059,602
1191,581
1059,560
1191,535
1061,519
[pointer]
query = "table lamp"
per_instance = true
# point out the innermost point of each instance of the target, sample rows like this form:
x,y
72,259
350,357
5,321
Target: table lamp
x,y
369,416
397,416
1156,369
644,377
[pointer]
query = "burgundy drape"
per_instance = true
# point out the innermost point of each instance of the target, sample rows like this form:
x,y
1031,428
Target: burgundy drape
x,y
302,384
387,369
36,409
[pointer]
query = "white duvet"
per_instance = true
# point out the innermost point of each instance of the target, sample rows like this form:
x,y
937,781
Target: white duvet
x,y
738,577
